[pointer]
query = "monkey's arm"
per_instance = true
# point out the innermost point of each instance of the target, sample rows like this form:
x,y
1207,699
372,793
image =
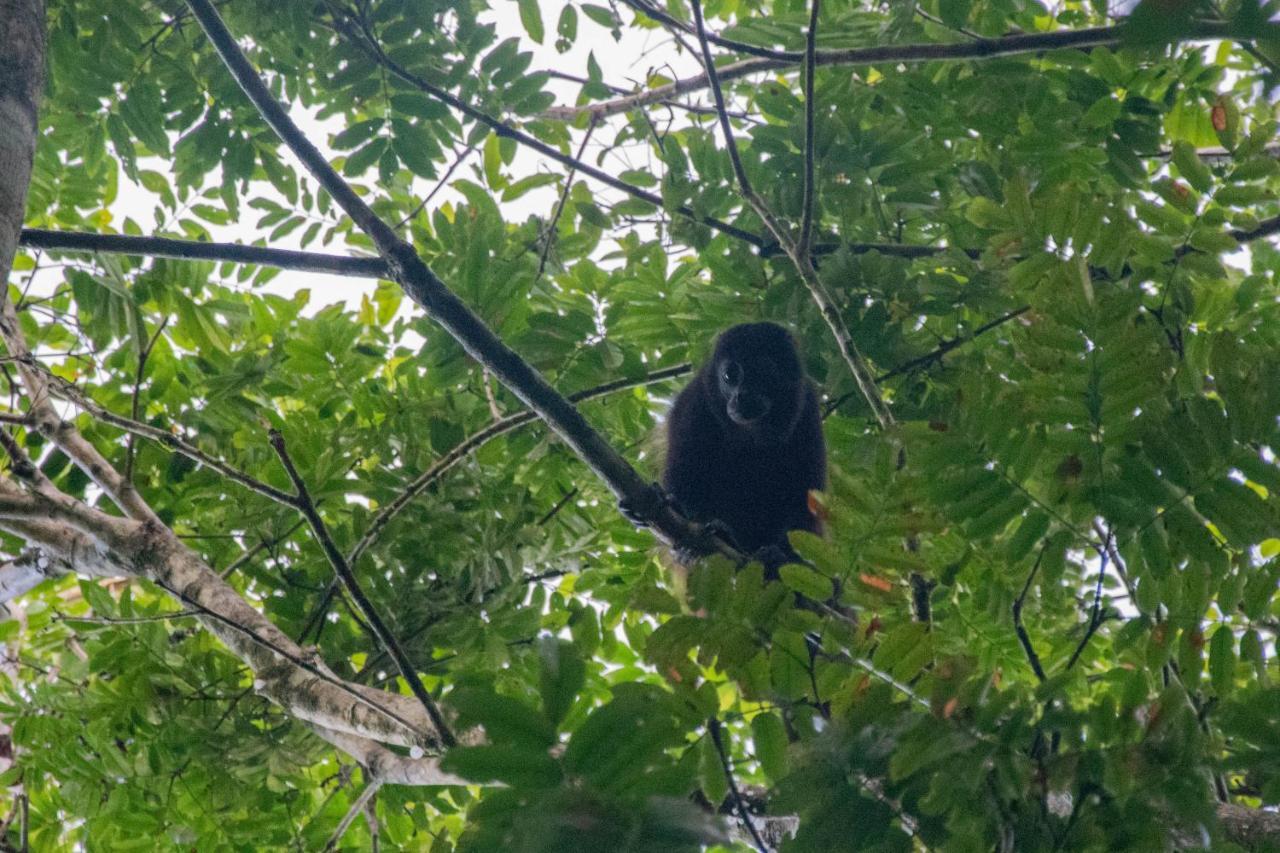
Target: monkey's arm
x,y
690,474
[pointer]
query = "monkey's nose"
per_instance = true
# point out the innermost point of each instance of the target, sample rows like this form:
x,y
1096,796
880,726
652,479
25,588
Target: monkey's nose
x,y
746,410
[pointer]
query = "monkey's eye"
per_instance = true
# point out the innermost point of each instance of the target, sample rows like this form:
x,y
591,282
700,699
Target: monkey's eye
x,y
731,373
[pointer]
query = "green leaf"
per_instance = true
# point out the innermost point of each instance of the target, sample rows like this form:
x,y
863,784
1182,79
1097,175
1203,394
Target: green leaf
x,y
711,772
1190,166
505,719
954,13
561,676
806,581
769,737
515,766
531,18
1222,660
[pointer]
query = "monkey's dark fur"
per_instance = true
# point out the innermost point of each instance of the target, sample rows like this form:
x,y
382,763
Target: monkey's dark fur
x,y
744,443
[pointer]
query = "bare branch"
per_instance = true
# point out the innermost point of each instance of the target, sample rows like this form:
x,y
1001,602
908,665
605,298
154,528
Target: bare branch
x,y
809,199
386,765
191,250
988,48
717,740
383,634
357,806
1023,637
549,236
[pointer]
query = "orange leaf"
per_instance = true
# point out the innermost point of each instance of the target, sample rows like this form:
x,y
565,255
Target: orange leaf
x,y
1218,115
875,582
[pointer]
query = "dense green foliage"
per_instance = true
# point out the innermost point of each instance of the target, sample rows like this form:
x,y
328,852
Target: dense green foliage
x,y
1101,457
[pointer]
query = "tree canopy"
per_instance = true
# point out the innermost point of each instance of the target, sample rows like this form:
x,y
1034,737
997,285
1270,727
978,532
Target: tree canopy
x,y
293,566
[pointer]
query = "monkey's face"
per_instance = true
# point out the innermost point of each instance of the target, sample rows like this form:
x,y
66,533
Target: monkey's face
x,y
758,379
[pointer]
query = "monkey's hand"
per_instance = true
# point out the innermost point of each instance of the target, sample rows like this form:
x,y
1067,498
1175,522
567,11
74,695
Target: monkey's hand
x,y
687,554
636,515
775,555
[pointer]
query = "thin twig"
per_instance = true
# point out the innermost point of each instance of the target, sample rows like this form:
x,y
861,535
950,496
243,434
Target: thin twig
x,y
559,505
549,235
810,66
1023,637
1096,614
933,356
357,806
440,184
713,728
135,620
262,545
143,355
383,634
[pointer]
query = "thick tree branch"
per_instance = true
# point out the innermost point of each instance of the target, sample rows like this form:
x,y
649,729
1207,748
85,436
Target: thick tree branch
x,y
386,765
22,43
283,671
442,305
883,54
340,566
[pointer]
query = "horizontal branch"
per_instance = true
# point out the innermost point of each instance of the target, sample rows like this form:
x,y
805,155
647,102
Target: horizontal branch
x,y
194,250
988,48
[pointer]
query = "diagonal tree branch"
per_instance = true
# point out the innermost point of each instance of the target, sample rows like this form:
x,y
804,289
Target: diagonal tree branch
x,y
340,566
442,305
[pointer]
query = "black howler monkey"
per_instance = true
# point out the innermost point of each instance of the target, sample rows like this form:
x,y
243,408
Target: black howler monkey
x,y
744,443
